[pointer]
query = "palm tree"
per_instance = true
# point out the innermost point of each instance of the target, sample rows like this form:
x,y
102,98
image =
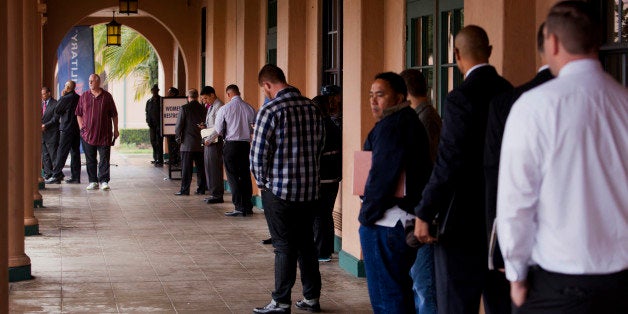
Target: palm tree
x,y
136,56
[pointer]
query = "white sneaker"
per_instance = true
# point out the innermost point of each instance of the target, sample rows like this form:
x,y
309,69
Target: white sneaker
x,y
92,186
105,186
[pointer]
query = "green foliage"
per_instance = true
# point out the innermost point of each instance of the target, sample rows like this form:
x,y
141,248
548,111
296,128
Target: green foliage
x,y
134,136
136,57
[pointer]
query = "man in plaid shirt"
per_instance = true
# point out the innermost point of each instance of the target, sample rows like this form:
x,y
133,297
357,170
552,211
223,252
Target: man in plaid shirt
x,y
285,156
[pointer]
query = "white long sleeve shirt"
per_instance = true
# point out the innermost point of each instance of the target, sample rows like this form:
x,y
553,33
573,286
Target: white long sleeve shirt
x,y
238,115
562,199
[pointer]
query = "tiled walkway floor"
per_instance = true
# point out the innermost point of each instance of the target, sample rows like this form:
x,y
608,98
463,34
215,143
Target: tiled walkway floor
x,y
139,248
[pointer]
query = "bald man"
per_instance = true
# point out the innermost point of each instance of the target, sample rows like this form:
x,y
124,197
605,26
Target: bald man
x,y
454,195
69,137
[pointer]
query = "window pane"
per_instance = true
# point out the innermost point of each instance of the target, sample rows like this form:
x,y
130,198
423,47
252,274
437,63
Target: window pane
x,y
451,24
332,42
422,40
616,17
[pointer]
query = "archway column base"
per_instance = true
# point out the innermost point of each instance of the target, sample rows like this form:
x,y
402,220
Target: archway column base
x,y
20,273
351,264
31,230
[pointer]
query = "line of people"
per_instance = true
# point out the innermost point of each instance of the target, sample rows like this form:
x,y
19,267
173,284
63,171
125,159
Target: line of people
x,y
524,195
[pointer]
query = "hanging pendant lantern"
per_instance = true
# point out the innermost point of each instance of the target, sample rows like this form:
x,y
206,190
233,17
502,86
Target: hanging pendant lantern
x,y
114,32
128,7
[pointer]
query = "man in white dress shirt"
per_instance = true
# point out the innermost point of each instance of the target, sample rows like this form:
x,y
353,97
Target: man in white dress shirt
x,y
234,120
562,206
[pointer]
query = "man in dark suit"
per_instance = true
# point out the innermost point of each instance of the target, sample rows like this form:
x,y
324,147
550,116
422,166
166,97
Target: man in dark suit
x,y
455,191
497,115
69,136
153,119
188,134
49,131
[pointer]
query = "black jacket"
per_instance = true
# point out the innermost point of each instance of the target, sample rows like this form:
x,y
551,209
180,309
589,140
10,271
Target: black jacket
x,y
65,111
186,130
51,121
398,142
153,112
497,116
331,159
456,186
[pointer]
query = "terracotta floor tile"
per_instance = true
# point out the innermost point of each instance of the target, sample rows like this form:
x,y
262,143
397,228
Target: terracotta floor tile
x,y
138,248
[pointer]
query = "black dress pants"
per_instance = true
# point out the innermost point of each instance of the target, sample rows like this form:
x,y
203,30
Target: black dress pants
x,y
187,158
236,158
290,226
157,142
69,144
49,147
100,174
324,220
462,278
550,292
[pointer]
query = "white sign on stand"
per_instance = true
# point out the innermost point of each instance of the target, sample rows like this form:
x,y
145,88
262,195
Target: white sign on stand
x,y
170,107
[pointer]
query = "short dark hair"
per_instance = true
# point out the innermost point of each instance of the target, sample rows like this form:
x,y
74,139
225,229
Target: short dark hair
x,y
415,82
475,43
271,73
208,90
540,38
46,88
234,88
576,26
395,81
173,90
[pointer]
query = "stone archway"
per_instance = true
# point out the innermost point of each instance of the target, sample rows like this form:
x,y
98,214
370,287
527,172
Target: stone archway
x,y
179,19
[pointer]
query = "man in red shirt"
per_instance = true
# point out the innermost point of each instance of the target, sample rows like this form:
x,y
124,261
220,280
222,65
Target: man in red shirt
x,y
97,118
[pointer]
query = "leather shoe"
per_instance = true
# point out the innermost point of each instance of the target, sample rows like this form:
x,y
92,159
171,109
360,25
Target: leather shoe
x,y
267,241
302,304
53,180
272,307
181,193
236,213
199,192
158,164
73,181
214,200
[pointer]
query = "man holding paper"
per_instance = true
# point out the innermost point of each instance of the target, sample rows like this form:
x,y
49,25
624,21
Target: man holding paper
x,y
399,143
213,143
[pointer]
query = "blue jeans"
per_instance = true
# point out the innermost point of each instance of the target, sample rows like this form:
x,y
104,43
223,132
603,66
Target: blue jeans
x,y
387,261
423,283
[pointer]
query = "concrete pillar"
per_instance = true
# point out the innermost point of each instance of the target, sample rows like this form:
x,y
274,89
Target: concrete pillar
x,y
511,28
291,41
313,47
369,48
4,184
215,51
247,66
31,99
19,262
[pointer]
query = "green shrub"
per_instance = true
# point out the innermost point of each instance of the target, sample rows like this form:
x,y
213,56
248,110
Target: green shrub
x,y
134,136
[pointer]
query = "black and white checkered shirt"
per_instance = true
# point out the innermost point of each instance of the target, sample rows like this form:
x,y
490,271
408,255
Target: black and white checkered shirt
x,y
287,145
